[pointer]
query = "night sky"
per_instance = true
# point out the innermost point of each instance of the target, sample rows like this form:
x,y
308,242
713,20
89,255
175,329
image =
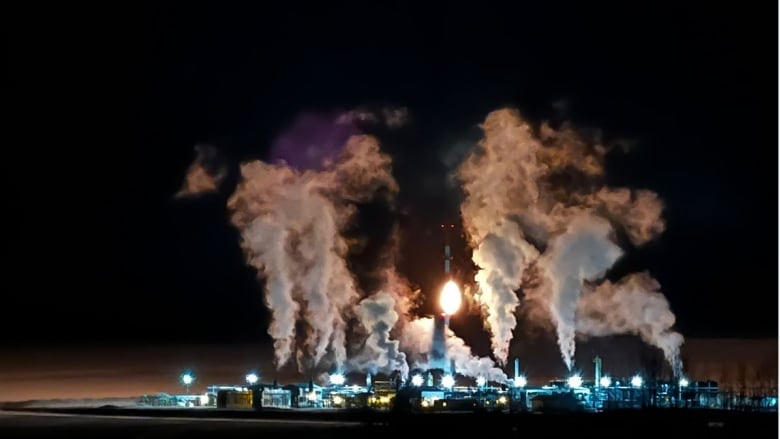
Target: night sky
x,y
103,112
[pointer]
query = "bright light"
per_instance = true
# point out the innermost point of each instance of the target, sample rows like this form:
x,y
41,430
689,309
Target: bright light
x,y
425,403
481,381
337,400
636,381
575,381
605,381
312,396
252,378
187,379
450,298
204,400
684,382
337,379
520,381
447,381
417,380
502,399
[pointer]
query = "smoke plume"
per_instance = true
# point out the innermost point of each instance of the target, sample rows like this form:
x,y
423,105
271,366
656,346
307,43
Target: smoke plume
x,y
417,340
536,210
205,174
377,314
633,305
291,225
540,217
583,253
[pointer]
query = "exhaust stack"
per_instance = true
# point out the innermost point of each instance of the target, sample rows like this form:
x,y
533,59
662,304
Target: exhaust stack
x,y
447,254
597,373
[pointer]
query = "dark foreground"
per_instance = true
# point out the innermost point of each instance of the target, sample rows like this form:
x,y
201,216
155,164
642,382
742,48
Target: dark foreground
x,y
218,424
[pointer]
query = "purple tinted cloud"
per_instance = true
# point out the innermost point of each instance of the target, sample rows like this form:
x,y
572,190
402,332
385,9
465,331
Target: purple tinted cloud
x,y
311,139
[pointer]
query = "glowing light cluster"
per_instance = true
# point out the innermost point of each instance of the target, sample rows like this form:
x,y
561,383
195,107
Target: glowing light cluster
x,y
337,379
575,381
520,381
447,381
636,381
481,381
605,381
450,298
417,380
251,378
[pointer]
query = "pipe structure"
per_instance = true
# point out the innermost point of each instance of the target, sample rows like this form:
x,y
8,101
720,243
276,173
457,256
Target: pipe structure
x,y
597,373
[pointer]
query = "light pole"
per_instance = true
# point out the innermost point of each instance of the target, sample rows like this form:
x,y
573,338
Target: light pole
x,y
187,378
682,384
251,378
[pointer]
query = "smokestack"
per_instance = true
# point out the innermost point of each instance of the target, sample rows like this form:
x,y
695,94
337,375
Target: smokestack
x,y
368,381
447,254
597,373
311,385
446,259
452,367
517,368
439,346
429,380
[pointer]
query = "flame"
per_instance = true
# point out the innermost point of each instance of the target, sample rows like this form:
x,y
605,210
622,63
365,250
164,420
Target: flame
x,y
450,298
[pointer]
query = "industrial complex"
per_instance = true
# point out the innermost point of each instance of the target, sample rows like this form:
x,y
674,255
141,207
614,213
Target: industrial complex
x,y
439,388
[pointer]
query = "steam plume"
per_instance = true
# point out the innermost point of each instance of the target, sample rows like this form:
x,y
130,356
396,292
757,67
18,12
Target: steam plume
x,y
584,253
633,305
417,339
539,216
380,354
205,174
291,224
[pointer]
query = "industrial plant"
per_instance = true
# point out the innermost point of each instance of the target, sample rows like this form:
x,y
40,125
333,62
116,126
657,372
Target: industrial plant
x,y
440,388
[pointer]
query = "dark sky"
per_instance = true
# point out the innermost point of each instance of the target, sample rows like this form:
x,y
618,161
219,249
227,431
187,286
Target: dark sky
x,y
104,106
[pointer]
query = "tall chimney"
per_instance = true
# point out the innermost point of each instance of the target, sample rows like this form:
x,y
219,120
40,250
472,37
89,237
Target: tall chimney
x,y
517,368
597,373
447,254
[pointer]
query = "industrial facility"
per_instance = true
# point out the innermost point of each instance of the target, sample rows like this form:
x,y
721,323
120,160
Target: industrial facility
x,y
439,388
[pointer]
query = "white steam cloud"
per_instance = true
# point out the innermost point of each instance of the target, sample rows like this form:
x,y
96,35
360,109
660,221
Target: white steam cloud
x,y
540,218
292,224
583,253
633,305
380,354
417,341
292,227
